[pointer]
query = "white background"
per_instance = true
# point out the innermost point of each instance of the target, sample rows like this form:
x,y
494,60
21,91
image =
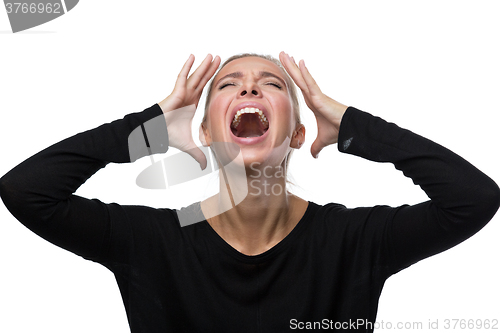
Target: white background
x,y
430,66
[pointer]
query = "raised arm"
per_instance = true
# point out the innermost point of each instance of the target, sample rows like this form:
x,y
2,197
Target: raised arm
x,y
463,199
39,191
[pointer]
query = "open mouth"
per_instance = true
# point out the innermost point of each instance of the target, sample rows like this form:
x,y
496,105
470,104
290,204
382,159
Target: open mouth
x,y
249,123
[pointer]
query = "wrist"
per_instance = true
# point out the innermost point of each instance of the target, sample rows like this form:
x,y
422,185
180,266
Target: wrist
x,y
166,105
338,111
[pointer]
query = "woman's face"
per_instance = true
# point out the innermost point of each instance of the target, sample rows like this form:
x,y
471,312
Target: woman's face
x,y
250,106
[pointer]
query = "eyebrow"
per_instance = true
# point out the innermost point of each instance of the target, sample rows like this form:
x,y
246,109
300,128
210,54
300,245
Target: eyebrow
x,y
262,74
269,74
235,75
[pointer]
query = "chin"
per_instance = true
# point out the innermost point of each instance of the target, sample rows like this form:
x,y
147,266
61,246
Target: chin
x,y
255,158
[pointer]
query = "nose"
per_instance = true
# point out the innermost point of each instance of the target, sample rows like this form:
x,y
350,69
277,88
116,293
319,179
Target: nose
x,y
248,90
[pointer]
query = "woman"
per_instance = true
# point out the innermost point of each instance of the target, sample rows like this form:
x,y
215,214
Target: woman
x,y
267,261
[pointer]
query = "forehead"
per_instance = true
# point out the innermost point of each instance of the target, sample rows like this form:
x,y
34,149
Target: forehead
x,y
249,65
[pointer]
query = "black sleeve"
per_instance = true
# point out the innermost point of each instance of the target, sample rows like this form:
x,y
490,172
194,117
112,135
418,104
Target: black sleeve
x,y
38,192
462,198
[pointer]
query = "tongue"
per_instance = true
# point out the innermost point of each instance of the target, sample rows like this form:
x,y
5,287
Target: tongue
x,y
250,126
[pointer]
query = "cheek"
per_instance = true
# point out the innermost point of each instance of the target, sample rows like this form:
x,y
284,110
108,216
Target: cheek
x,y
218,106
286,113
216,116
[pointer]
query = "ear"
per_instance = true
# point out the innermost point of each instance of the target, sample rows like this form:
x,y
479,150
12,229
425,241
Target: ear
x,y
298,137
205,137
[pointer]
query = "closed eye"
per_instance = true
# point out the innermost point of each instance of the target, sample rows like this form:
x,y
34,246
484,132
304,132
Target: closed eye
x,y
274,84
226,84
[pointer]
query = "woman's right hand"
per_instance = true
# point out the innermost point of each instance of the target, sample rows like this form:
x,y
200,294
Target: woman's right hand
x,y
179,107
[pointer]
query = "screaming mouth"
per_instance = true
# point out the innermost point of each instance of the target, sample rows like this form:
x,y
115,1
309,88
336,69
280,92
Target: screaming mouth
x,y
249,123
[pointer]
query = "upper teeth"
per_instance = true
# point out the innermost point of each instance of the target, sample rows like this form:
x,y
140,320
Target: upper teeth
x,y
237,116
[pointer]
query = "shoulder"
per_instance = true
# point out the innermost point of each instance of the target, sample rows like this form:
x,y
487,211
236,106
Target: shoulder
x,y
335,216
328,211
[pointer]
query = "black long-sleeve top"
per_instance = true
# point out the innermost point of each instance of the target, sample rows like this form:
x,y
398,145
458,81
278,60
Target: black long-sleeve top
x,y
328,272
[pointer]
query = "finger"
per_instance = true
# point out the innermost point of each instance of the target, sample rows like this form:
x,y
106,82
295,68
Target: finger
x,y
183,74
187,67
195,78
293,71
312,86
287,63
210,72
316,147
198,155
296,75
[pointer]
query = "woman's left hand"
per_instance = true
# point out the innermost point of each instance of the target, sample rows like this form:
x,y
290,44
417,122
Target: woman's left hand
x,y
327,111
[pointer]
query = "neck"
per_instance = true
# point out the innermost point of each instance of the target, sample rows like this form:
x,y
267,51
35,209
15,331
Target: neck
x,y
253,222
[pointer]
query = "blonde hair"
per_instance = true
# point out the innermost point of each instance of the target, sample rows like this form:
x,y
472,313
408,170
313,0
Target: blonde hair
x,y
291,89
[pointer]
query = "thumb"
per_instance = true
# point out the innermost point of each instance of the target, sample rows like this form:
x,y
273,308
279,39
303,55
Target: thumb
x,y
198,155
316,147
